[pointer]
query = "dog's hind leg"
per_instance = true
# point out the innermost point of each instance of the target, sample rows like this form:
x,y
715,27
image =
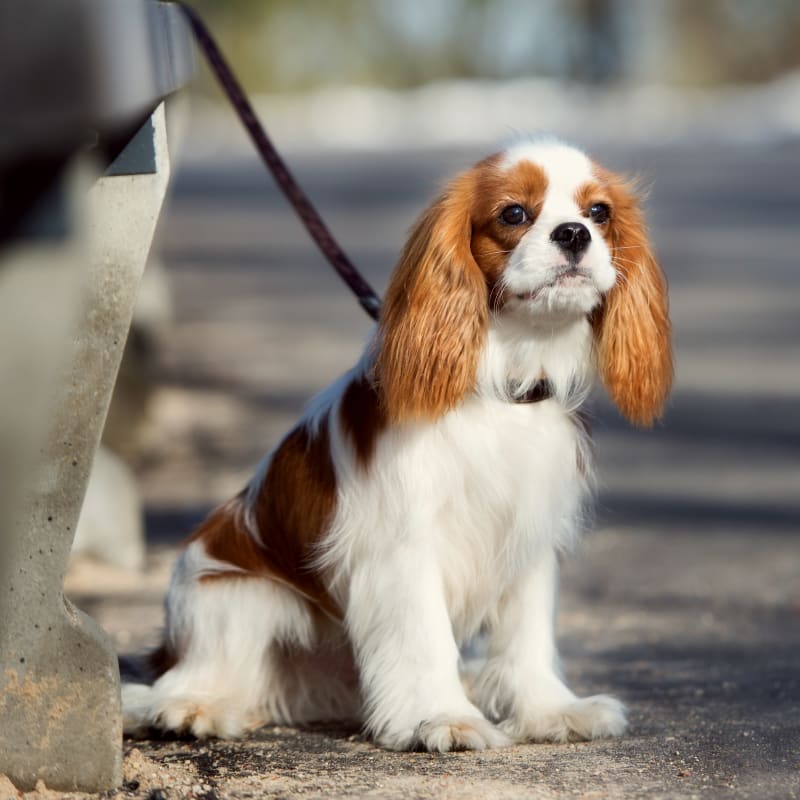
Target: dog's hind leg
x,y
225,644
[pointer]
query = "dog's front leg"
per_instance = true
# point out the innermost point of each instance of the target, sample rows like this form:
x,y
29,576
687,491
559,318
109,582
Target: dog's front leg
x,y
408,659
520,683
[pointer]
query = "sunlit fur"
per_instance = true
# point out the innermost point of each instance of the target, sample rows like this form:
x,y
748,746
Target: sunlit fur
x,y
417,503
633,329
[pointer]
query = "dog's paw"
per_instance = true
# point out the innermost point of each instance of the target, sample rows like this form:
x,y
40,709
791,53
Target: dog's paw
x,y
596,717
444,733
136,699
201,718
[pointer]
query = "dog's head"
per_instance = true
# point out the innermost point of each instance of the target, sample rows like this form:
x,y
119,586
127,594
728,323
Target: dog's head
x,y
541,235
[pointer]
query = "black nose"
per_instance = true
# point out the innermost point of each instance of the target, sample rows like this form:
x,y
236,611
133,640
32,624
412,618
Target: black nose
x,y
571,236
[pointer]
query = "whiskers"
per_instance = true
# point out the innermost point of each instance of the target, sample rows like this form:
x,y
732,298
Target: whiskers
x,y
498,294
617,260
494,252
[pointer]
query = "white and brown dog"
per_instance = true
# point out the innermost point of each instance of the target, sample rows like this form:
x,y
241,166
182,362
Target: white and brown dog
x,y
425,495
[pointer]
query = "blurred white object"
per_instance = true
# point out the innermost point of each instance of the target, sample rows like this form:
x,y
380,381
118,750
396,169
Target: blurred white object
x,y
110,527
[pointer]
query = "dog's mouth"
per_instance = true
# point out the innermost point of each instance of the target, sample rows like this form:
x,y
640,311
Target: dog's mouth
x,y
568,277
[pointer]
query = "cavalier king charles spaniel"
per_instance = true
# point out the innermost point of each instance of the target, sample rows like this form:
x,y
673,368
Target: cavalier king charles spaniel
x,y
425,496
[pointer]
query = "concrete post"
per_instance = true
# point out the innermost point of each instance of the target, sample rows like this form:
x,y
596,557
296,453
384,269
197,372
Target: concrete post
x,y
60,717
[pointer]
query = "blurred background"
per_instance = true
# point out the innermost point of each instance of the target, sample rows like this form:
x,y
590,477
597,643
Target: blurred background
x,y
287,47
375,105
692,571
369,74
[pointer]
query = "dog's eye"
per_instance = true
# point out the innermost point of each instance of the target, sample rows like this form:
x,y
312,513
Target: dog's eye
x,y
513,215
600,213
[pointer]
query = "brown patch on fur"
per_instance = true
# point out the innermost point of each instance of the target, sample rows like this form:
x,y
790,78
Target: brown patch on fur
x,y
232,575
632,327
435,316
225,538
362,416
593,192
293,509
436,312
524,184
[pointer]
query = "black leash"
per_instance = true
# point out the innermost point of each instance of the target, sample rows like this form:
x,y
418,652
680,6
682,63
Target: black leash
x,y
366,295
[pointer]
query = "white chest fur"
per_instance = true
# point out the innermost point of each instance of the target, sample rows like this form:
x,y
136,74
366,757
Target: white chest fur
x,y
509,487
479,494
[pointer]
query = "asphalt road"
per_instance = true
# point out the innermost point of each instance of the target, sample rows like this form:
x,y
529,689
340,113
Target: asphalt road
x,y
685,601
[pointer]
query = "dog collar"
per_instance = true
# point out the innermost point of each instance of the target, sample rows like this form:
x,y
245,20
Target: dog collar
x,y
541,390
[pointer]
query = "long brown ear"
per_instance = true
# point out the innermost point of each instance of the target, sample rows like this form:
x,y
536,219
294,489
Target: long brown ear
x,y
435,315
632,328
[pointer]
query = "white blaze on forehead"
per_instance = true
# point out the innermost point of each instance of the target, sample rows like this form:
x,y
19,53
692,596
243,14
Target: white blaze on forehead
x,y
566,167
532,265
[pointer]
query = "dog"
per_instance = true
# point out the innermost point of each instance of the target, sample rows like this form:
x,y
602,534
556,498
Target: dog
x,y
425,496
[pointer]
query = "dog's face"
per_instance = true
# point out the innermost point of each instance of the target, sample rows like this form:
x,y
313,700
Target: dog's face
x,y
541,235
541,219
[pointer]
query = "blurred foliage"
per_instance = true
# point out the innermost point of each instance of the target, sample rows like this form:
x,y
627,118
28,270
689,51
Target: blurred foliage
x,y
739,40
283,45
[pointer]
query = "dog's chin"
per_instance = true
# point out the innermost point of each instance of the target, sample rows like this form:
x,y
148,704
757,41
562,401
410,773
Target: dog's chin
x,y
570,295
